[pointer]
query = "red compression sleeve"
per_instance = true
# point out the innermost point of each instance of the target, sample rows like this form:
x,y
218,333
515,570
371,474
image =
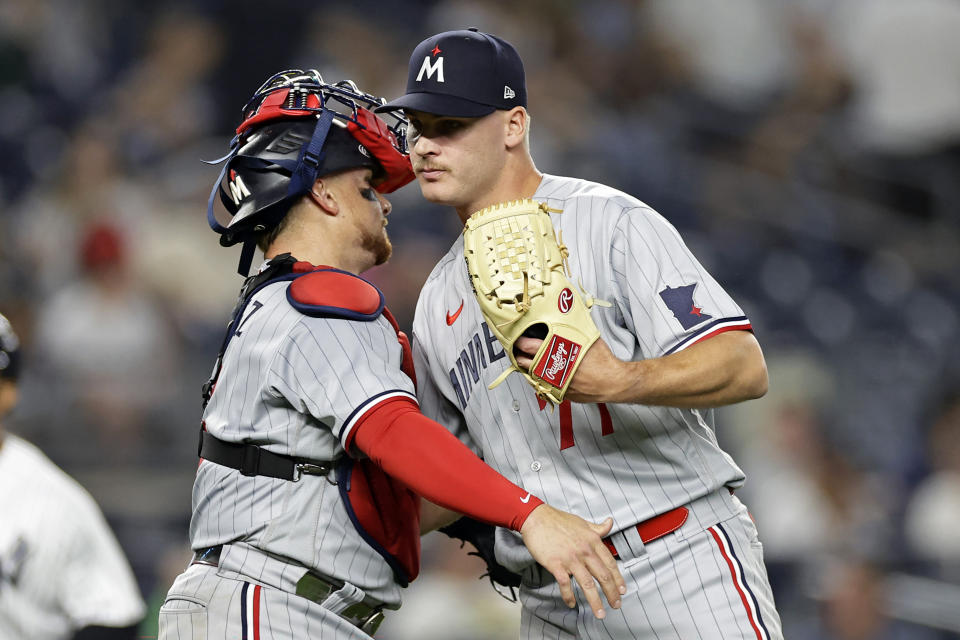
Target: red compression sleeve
x,y
431,461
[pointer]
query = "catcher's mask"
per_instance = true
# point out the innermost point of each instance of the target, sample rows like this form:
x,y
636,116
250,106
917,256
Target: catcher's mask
x,y
297,128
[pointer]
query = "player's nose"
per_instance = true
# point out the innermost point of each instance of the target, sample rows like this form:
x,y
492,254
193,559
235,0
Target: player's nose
x,y
424,146
385,205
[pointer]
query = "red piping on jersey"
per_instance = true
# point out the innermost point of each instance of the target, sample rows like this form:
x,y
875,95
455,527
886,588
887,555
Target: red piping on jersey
x,y
430,460
741,323
736,583
717,332
256,612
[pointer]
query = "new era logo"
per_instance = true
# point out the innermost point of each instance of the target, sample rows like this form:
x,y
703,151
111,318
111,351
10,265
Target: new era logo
x,y
508,92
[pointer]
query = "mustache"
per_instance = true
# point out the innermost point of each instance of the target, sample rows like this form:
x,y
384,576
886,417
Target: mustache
x,y
428,167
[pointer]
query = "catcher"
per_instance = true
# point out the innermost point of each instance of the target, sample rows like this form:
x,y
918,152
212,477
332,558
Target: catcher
x,y
313,452
632,435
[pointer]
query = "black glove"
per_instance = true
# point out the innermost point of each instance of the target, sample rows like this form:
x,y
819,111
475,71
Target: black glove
x,y
481,536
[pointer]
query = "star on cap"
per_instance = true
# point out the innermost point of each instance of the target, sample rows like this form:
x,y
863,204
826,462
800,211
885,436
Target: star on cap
x,y
436,50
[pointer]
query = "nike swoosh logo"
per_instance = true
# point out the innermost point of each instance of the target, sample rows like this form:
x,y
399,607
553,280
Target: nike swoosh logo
x,y
452,317
526,499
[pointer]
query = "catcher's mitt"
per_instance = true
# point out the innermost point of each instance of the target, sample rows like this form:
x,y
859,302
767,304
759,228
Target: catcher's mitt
x,y
518,269
481,536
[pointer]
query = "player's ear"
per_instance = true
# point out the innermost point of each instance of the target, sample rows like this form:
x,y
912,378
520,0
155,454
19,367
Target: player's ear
x,y
516,123
324,198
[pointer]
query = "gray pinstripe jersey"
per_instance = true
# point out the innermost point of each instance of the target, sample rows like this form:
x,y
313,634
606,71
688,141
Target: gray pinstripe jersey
x,y
296,385
623,460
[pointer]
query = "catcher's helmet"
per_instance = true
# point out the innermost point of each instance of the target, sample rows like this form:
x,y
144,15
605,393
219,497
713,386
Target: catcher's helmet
x,y
296,128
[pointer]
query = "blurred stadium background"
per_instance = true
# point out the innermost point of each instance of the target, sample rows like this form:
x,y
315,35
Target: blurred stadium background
x,y
808,151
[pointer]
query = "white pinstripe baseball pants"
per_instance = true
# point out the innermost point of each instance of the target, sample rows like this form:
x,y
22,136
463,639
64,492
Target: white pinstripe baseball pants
x,y
702,582
205,603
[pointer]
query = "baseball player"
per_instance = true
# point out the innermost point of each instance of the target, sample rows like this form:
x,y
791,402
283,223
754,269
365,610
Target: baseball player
x,y
62,573
634,439
313,452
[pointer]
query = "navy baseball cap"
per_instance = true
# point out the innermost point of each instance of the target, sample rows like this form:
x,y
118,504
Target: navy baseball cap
x,y
464,74
9,351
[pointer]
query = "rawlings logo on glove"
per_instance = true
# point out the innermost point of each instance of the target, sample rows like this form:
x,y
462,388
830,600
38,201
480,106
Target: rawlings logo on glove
x,y
561,355
518,268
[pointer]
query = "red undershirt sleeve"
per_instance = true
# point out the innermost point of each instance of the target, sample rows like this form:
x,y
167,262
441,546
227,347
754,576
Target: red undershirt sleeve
x,y
432,462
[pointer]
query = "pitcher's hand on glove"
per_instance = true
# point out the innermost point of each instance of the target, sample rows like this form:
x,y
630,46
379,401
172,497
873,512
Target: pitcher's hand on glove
x,y
518,270
564,544
600,378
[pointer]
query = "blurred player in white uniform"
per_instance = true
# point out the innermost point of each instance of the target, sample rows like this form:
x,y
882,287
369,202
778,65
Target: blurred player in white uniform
x,y
63,576
306,505
634,440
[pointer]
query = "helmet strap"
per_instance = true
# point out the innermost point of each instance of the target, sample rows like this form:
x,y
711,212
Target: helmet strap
x,y
246,257
211,218
311,157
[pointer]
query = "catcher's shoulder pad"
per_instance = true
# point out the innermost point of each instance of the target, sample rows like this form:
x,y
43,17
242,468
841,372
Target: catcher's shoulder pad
x,y
329,292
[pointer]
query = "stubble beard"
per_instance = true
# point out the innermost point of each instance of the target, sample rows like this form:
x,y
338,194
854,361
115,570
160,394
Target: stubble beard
x,y
376,244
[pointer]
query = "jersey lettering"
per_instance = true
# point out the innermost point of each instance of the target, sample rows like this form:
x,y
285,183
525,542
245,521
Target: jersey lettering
x,y
470,358
466,383
472,361
479,350
457,388
566,422
493,352
566,426
256,307
606,424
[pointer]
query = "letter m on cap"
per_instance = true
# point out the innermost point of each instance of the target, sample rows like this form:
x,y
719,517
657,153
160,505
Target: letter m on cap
x,y
431,68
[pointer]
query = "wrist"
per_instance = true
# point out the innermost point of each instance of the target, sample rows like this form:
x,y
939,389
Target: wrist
x,y
603,377
525,517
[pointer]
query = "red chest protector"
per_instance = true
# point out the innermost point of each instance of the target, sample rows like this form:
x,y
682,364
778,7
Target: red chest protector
x,y
325,291
384,511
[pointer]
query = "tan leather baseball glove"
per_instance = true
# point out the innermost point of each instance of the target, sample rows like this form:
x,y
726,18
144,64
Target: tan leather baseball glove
x,y
518,268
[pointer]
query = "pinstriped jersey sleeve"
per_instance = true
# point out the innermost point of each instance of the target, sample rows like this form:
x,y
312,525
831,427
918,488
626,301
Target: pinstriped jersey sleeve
x,y
337,370
664,291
